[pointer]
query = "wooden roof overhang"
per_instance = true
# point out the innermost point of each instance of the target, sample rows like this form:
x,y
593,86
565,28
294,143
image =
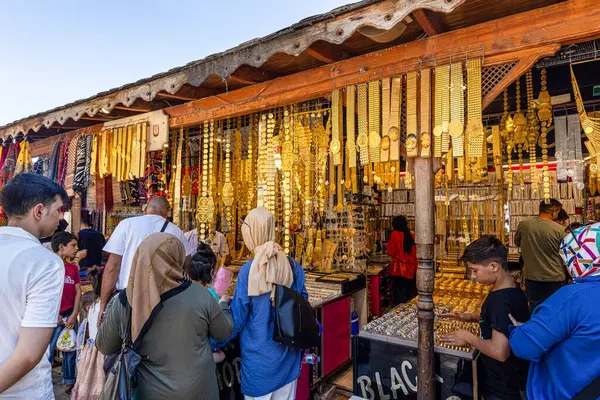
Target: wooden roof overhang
x,y
309,59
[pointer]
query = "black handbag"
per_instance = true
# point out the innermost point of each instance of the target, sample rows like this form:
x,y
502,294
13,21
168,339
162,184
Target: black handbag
x,y
295,323
120,368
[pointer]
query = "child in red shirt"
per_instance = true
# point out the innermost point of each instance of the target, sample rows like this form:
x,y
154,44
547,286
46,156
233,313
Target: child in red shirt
x,y
64,244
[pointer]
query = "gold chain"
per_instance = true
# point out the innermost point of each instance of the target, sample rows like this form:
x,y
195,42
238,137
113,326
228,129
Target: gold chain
x,y
336,126
532,132
394,131
545,116
474,125
411,115
385,119
287,154
363,129
374,122
426,113
444,85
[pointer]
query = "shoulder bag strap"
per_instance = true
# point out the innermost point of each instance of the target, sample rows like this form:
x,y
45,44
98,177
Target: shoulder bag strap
x,y
164,227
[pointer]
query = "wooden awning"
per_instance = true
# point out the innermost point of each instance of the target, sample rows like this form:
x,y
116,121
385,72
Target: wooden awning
x,y
344,33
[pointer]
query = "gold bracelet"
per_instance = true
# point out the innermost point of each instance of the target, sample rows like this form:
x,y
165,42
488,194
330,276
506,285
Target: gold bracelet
x,y
363,130
426,113
412,148
395,109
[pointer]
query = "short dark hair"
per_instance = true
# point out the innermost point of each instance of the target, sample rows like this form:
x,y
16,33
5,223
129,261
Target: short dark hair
x,y
95,277
562,215
485,250
552,205
63,238
203,264
25,191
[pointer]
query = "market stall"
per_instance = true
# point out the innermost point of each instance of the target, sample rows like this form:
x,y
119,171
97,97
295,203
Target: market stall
x,y
335,129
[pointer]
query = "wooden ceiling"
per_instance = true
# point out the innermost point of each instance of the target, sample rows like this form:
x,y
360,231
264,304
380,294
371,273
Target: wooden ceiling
x,y
417,24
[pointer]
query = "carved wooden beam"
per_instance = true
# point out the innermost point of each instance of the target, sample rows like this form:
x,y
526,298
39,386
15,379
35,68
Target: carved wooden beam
x,y
250,75
525,59
430,22
326,52
551,26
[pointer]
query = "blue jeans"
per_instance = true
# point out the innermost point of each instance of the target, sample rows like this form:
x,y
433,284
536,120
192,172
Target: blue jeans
x,y
69,359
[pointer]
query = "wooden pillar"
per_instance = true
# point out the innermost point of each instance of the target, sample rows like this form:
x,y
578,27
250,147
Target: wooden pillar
x,y
424,233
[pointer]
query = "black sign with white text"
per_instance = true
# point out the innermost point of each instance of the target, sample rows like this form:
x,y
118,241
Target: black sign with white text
x,y
386,371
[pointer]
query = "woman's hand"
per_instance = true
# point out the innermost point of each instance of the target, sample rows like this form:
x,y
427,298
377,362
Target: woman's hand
x,y
514,321
60,322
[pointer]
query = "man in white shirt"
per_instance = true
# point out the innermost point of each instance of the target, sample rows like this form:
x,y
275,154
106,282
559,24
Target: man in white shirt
x,y
31,284
126,238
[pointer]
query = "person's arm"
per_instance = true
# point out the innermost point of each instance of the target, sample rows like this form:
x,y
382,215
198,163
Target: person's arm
x,y
497,347
518,236
73,318
30,349
240,305
391,247
43,293
110,333
550,325
466,317
109,281
220,326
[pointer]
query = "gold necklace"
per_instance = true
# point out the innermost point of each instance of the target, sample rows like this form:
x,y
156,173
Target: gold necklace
x,y
143,149
444,85
227,189
337,113
270,164
426,113
374,122
203,202
286,166
412,147
474,125
350,136
385,119
456,127
177,187
395,110
532,133
497,151
363,130
135,149
545,116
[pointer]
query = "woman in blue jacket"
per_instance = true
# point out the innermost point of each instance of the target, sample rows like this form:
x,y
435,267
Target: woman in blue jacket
x,y
269,369
562,338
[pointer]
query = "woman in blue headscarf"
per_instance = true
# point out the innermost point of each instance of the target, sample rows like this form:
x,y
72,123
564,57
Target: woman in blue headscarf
x,y
562,338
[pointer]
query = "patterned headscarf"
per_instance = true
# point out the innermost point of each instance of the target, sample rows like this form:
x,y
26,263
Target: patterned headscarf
x,y
580,250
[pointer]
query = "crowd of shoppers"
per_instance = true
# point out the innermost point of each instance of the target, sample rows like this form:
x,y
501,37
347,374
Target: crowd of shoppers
x,y
156,290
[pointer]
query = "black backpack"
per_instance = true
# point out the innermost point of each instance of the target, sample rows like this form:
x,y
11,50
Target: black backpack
x,y
295,322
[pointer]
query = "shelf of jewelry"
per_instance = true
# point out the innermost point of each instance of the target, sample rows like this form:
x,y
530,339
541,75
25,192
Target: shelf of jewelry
x,y
320,292
524,204
348,230
451,295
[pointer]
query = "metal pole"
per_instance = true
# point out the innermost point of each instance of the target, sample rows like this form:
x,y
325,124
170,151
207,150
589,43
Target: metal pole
x,y
424,233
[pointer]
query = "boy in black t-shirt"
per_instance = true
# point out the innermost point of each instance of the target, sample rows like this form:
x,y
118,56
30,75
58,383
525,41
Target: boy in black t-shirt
x,y
502,374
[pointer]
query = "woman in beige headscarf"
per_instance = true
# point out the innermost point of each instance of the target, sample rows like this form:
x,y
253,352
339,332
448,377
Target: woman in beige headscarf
x,y
269,369
171,323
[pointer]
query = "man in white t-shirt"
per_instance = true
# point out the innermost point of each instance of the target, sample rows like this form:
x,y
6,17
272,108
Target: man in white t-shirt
x,y
126,238
31,284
